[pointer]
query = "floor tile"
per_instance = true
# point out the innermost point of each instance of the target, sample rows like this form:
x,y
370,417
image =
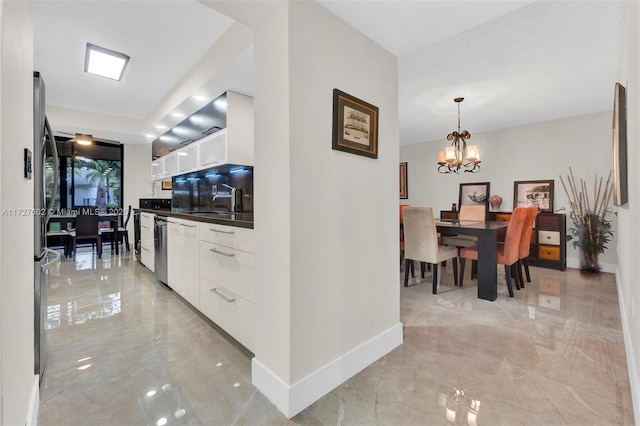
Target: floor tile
x,y
123,349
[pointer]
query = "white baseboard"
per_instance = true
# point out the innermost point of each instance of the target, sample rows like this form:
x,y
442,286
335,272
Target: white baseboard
x,y
34,402
291,399
634,380
574,263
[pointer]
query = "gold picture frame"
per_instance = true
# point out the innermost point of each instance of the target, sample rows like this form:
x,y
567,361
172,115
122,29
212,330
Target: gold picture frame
x,y
620,185
404,189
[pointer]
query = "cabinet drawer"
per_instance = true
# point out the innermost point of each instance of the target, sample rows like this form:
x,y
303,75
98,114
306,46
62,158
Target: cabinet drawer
x,y
503,217
549,222
232,269
549,237
229,311
549,252
228,236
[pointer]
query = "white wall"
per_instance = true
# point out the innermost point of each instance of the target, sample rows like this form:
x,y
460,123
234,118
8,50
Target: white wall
x,y
16,244
137,179
628,226
323,289
537,151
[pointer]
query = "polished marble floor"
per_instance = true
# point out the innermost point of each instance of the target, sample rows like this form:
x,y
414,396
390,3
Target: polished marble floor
x,y
124,350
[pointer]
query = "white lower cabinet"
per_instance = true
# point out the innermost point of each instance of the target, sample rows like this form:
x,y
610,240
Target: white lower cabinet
x,y
190,263
232,269
183,260
229,311
227,279
147,248
211,267
175,238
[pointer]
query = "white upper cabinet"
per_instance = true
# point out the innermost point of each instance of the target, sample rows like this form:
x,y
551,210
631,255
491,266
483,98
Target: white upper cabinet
x,y
212,150
187,158
231,145
157,167
170,165
239,129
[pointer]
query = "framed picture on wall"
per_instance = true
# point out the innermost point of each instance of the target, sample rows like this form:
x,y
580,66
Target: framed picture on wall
x,y
474,194
404,189
355,125
620,190
537,193
167,185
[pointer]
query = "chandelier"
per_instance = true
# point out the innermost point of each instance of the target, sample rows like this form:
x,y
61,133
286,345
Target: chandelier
x,y
459,156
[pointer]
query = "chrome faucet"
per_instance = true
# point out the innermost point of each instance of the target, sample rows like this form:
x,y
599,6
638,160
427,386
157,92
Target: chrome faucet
x,y
233,196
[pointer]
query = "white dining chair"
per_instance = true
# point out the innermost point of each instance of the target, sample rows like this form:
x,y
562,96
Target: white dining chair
x,y
421,244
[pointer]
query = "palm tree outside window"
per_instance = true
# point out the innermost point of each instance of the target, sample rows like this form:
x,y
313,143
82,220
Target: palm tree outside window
x,y
90,176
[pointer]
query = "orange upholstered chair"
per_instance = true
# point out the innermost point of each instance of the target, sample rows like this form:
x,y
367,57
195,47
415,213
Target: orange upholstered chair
x,y
525,244
507,254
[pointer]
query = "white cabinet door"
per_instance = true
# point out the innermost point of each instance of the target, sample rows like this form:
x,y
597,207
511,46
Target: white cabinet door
x,y
233,269
174,254
157,168
212,150
147,255
229,311
190,262
170,166
188,158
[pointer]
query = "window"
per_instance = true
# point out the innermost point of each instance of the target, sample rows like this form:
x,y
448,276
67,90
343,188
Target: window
x,y
90,175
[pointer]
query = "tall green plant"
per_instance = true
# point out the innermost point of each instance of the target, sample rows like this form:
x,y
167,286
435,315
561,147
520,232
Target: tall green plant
x,y
591,230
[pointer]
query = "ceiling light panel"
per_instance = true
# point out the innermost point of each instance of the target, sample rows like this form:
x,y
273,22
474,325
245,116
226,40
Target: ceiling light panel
x,y
104,62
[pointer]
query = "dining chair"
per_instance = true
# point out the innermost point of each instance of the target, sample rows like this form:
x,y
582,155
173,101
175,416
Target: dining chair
x,y
421,244
525,244
123,233
476,213
402,206
507,254
87,229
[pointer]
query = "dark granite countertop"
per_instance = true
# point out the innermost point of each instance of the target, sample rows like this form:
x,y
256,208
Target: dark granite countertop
x,y
240,220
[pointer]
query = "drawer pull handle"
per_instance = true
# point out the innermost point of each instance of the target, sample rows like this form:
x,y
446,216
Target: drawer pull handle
x,y
222,296
221,232
222,253
188,226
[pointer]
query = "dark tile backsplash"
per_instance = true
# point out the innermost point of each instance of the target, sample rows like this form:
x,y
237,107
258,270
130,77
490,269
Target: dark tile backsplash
x,y
193,192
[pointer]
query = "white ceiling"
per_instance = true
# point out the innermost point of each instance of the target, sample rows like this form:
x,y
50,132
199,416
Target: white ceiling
x,y
515,62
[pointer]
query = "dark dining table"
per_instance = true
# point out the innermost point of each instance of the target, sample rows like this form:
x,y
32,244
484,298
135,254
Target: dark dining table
x,y
488,233
112,218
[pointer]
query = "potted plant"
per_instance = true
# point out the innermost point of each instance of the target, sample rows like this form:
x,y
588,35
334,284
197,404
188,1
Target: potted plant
x,y
591,231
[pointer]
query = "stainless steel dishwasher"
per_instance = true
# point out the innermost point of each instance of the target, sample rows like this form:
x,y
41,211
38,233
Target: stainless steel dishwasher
x,y
160,242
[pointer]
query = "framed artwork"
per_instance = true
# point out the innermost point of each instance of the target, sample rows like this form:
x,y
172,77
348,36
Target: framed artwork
x,y
355,125
620,189
404,189
474,194
166,184
537,193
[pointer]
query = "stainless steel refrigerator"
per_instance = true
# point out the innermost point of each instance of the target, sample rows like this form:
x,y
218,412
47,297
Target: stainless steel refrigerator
x,y
44,258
